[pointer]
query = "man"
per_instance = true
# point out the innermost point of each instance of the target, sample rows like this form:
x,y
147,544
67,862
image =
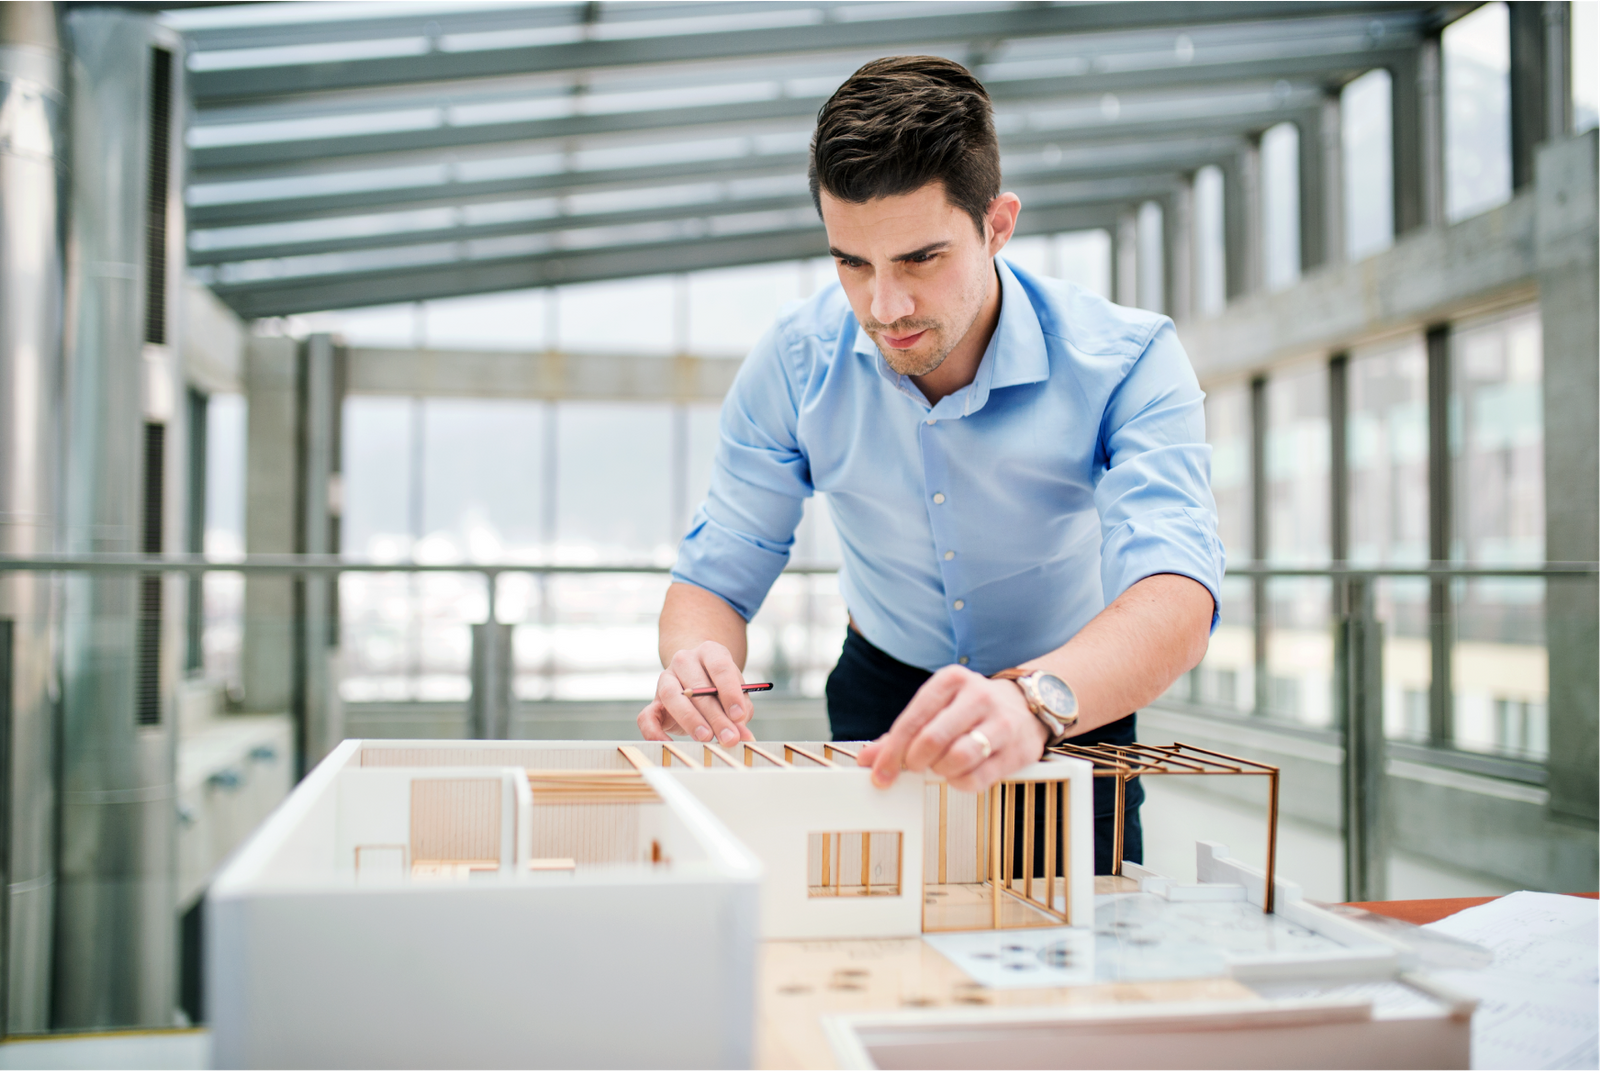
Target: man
x,y
1003,456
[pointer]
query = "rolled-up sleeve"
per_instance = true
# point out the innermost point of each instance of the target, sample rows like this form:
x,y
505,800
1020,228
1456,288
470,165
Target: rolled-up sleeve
x,y
1153,493
740,538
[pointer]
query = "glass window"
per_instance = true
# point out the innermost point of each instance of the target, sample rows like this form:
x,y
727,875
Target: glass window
x,y
613,487
1299,644
1497,454
1585,34
1477,111
1365,125
222,598
1387,448
1084,257
1226,678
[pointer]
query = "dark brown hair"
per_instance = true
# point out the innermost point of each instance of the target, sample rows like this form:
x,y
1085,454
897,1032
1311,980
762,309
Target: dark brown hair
x,y
902,122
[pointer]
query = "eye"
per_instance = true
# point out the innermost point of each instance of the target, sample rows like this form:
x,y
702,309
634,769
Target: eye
x,y
922,258
851,263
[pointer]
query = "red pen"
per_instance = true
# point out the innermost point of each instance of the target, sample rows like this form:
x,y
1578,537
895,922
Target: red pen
x,y
767,687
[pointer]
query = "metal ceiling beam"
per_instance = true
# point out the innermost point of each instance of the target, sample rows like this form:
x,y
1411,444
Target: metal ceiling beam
x,y
1082,55
1035,197
286,297
447,23
1237,124
257,83
322,206
321,155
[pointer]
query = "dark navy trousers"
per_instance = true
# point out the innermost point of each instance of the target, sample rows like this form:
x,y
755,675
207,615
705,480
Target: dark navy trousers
x,y
868,689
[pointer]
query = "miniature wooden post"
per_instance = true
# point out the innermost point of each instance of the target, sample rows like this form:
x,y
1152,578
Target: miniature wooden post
x,y
1027,839
827,859
994,855
1052,833
944,829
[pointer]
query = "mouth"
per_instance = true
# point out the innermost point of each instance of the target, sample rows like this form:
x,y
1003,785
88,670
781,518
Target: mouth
x,y
904,342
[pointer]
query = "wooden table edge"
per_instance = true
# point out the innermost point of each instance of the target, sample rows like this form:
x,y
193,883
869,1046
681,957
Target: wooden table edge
x,y
1420,912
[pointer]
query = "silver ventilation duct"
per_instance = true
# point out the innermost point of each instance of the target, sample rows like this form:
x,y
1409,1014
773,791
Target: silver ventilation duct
x,y
116,937
32,108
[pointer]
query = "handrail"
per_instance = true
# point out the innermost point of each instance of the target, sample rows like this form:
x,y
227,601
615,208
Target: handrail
x,y
323,564
318,564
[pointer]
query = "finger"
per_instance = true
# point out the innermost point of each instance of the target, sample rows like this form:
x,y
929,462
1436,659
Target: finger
x,y
724,673
722,727
985,774
966,753
650,722
969,709
932,697
683,673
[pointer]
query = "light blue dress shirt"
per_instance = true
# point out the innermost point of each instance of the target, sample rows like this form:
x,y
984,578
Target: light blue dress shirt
x,y
991,527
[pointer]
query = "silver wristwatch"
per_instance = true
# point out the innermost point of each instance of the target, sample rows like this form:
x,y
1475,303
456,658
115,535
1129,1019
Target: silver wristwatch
x,y
1049,698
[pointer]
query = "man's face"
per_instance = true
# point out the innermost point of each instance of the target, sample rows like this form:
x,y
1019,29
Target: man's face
x,y
916,272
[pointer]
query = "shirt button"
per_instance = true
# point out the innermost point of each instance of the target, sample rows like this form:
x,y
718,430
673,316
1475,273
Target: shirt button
x,y
961,604
930,420
949,554
938,499
963,660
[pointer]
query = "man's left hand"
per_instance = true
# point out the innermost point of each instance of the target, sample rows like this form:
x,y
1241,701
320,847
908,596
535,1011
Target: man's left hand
x,y
946,725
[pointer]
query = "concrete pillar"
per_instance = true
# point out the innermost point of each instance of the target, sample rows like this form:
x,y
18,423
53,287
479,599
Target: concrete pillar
x,y
1125,258
1568,236
1417,137
271,391
320,403
1178,260
1241,220
294,396
1541,82
1321,186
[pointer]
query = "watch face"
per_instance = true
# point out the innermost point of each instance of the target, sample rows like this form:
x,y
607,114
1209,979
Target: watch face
x,y
1057,697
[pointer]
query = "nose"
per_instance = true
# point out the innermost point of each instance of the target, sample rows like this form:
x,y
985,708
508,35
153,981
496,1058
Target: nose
x,y
890,300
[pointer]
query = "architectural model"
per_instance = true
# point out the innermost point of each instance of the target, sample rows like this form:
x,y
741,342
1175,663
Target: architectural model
x,y
612,904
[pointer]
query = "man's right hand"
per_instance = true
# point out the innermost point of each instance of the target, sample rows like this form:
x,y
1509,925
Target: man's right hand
x,y
723,717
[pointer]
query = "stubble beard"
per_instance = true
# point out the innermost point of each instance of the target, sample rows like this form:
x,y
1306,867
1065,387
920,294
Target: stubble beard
x,y
910,362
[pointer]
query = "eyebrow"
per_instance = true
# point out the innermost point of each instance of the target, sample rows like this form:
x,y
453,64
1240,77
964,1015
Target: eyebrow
x,y
931,247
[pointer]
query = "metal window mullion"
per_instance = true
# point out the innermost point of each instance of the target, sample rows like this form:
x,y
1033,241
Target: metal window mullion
x,y
1441,523
1259,536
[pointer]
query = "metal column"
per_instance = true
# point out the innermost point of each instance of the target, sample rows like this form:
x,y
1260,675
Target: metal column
x,y
116,926
1358,669
1441,524
489,708
1261,611
32,156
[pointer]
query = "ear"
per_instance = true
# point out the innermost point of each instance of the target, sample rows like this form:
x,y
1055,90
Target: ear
x,y
1002,220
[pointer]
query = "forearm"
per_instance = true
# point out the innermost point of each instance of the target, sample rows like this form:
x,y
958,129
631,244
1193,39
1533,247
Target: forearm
x,y
692,615
1134,649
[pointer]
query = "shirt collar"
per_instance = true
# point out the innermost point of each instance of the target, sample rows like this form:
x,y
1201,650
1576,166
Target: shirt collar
x,y
1016,354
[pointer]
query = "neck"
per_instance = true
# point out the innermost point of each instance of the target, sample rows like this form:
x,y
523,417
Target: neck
x,y
961,366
